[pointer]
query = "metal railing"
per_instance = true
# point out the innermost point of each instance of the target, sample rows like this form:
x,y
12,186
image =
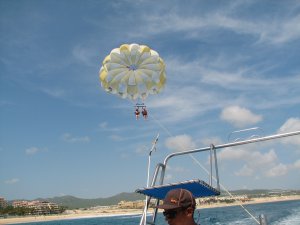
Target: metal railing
x,y
211,148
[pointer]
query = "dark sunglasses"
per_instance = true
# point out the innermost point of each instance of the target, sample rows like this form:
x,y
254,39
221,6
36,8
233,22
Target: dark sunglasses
x,y
171,214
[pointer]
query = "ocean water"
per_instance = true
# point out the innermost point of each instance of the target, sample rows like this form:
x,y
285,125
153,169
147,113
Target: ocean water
x,y
277,213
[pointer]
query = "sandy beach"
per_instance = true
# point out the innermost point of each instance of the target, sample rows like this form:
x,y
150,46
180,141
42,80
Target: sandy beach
x,y
79,214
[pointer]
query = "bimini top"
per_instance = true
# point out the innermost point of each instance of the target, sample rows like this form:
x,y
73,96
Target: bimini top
x,y
198,187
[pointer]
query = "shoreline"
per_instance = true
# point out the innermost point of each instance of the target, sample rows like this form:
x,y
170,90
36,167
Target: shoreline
x,y
82,214
251,202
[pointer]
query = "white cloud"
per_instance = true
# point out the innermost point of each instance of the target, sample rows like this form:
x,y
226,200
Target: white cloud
x,y
69,138
85,55
103,125
254,161
180,143
54,92
296,165
239,117
217,70
176,170
125,155
282,31
282,169
245,171
253,158
209,86
277,30
232,154
115,137
211,140
12,181
292,124
32,150
278,170
141,149
182,103
261,160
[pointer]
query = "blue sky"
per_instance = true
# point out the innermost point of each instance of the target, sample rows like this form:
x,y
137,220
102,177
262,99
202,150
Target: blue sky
x,y
230,65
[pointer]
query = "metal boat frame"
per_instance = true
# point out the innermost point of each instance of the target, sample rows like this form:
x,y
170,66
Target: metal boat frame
x,y
159,173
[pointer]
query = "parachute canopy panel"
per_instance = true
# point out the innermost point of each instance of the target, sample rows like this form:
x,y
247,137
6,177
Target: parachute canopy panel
x,y
133,71
198,187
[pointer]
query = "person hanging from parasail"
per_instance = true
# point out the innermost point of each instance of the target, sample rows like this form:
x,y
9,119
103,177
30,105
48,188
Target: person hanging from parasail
x,y
145,113
137,113
133,71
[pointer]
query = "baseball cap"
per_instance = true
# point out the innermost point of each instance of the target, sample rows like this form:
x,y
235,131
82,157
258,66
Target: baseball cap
x,y
178,198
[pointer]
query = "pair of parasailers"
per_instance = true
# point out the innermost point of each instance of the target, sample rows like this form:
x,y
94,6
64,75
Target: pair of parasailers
x,y
144,112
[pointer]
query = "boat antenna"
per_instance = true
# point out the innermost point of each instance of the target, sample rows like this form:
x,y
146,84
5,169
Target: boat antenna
x,y
153,148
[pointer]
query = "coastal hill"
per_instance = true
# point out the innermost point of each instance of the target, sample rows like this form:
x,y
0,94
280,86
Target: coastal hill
x,y
72,202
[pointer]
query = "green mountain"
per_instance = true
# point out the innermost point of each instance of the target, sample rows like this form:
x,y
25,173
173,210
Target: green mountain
x,y
73,202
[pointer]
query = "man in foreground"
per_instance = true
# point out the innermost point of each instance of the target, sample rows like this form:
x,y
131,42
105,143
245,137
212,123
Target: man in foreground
x,y
179,206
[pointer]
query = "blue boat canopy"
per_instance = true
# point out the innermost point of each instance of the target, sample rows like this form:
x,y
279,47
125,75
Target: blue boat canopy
x,y
198,187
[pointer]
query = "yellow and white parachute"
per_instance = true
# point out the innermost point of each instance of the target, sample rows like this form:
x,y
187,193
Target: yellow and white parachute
x,y
133,71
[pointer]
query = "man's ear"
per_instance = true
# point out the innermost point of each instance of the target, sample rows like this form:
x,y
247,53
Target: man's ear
x,y
190,211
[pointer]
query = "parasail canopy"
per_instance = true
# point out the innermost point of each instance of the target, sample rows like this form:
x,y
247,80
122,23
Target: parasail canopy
x,y
133,71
